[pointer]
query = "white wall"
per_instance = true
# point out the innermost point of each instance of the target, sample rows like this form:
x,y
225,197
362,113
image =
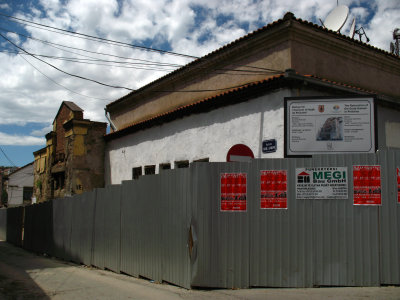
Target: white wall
x,y
16,182
206,135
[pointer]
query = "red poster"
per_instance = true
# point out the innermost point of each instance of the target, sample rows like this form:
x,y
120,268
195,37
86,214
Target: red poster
x,y
398,186
273,189
367,185
233,191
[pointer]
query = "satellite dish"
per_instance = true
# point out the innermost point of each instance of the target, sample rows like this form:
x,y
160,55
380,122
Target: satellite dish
x,y
336,18
353,28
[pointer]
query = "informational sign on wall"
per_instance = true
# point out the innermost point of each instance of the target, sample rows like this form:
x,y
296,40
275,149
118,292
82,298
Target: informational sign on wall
x,y
329,125
273,189
367,185
398,186
233,191
322,183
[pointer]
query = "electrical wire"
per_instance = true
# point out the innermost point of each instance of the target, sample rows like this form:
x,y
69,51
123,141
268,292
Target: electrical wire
x,y
5,155
86,36
58,69
113,42
147,62
60,84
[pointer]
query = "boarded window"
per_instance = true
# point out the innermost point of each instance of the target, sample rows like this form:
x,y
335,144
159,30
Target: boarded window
x,y
182,164
136,172
149,170
202,160
165,166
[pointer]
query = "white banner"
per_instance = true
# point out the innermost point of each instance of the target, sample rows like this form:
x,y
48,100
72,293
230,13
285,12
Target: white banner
x,y
322,183
321,126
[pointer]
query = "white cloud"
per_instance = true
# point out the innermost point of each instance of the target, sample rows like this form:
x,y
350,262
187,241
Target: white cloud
x,y
5,6
20,140
42,132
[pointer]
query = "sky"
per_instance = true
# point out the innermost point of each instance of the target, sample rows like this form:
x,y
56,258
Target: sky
x,y
34,59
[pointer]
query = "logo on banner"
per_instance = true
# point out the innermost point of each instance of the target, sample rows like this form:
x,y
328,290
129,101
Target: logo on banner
x,y
321,108
303,177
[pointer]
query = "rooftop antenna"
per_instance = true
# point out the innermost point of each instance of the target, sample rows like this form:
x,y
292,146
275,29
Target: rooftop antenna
x,y
361,32
395,46
336,18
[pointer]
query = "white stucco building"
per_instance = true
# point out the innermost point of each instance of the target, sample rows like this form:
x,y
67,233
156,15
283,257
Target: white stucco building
x,y
20,186
189,116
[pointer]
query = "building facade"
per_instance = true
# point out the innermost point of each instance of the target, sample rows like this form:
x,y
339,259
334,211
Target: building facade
x,y
73,160
189,115
20,186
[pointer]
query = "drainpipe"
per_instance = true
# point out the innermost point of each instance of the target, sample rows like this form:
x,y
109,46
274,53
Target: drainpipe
x,y
107,114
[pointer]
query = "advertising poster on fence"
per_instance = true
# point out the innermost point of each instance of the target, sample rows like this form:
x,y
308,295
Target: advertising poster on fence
x,y
322,183
398,186
273,189
367,185
233,191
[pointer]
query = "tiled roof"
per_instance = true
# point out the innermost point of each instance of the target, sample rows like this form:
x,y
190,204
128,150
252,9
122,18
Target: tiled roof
x,y
229,97
287,16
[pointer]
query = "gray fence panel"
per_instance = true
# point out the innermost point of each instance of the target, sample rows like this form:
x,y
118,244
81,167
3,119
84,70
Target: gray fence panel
x,y
390,219
130,258
112,227
99,241
346,237
174,200
76,227
149,237
3,224
86,213
62,215
281,251
58,228
223,237
29,235
15,225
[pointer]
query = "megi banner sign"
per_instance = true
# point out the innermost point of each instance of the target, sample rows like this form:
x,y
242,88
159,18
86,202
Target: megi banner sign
x,y
233,191
273,189
329,125
322,183
367,185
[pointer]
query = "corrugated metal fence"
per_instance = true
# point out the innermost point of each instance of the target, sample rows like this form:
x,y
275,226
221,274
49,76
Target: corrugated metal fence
x,y
170,227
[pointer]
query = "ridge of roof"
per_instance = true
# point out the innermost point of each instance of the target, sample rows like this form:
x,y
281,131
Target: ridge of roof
x,y
286,17
71,105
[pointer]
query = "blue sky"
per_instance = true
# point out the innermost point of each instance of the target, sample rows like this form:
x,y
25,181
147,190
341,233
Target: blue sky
x,y
31,91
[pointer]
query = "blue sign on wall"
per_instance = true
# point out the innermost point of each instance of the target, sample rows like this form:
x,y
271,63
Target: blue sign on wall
x,y
269,146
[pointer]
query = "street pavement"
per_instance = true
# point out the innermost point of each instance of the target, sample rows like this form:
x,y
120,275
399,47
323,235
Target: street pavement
x,y
24,275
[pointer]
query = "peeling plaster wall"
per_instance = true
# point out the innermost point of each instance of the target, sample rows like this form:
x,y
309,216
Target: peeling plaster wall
x,y
205,135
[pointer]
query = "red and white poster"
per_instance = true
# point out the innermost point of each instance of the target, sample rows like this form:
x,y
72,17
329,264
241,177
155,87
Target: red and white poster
x,y
367,185
233,191
398,186
273,189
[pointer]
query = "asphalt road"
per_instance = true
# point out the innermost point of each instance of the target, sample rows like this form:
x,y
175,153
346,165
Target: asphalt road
x,y
24,275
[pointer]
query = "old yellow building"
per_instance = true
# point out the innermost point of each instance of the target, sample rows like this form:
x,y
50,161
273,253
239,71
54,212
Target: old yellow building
x,y
73,160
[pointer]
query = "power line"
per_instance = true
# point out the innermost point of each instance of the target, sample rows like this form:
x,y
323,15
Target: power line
x,y
60,84
5,155
113,42
147,62
86,36
73,75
